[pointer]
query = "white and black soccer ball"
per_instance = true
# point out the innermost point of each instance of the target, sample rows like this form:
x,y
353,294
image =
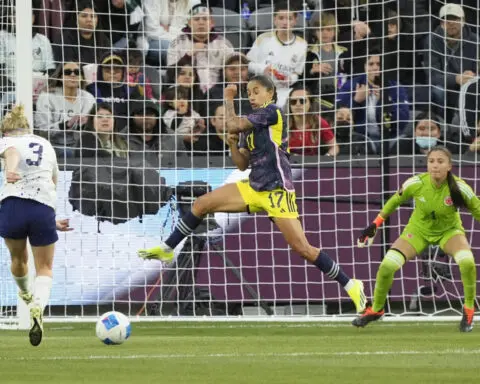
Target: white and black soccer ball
x,y
113,328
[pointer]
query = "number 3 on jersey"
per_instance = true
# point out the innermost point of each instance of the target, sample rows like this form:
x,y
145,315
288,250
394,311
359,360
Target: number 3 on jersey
x,y
37,149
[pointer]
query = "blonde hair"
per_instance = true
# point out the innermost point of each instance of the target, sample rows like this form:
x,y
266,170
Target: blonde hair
x,y
15,120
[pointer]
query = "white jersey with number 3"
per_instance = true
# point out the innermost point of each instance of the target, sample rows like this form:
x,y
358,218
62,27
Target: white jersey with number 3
x,y
37,167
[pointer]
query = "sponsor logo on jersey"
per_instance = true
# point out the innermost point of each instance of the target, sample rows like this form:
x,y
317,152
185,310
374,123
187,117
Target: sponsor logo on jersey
x,y
409,235
448,201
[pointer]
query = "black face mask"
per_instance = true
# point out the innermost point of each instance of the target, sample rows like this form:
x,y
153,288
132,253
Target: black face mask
x,y
343,131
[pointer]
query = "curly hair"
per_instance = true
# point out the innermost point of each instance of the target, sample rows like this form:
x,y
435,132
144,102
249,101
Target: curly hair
x,y
15,119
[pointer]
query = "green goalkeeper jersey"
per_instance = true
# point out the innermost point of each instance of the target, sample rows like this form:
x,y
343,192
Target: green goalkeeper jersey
x,y
434,212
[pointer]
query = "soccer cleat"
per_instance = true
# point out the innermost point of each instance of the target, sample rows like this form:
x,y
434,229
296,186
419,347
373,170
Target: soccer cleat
x,y
357,295
156,253
366,317
466,324
36,323
27,297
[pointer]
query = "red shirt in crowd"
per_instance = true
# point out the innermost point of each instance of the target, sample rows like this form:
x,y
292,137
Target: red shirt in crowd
x,y
307,142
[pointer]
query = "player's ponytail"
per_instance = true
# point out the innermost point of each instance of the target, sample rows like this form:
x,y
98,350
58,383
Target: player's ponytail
x,y
455,194
266,82
15,120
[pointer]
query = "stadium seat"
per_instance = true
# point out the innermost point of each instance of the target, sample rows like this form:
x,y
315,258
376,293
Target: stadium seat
x,y
262,21
231,25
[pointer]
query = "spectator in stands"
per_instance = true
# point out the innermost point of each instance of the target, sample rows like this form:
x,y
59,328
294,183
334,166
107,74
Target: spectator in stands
x,y
235,72
112,86
350,142
323,68
85,42
184,74
426,133
280,53
164,22
207,48
214,141
99,138
183,124
452,59
136,75
62,110
144,129
42,54
307,130
122,19
357,39
376,104
398,44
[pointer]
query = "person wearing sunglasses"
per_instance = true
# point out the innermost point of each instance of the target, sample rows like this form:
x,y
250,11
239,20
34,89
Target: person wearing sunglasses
x,y
307,129
63,109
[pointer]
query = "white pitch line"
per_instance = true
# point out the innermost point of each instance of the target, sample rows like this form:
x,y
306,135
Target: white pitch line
x,y
286,325
240,355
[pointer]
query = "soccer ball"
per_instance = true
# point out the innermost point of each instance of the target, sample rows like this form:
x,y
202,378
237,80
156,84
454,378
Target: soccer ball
x,y
113,328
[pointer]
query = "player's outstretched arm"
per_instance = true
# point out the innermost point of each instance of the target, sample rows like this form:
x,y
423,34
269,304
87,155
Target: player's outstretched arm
x,y
471,200
406,192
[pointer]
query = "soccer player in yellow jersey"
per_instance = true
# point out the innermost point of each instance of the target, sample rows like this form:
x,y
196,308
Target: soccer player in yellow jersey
x,y
269,187
438,195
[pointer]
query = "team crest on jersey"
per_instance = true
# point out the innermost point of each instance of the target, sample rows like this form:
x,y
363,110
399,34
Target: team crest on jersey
x,y
409,235
448,201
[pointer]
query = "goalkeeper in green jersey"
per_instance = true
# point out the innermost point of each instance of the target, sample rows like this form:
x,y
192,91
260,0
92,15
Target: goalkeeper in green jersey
x,y
438,195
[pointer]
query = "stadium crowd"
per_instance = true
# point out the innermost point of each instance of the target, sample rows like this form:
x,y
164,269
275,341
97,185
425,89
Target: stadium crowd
x,y
130,77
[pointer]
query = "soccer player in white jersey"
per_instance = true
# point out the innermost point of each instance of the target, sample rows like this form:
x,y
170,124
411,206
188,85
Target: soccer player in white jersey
x,y
27,211
280,54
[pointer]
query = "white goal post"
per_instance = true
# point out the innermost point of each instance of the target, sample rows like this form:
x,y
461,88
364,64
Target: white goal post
x,y
238,268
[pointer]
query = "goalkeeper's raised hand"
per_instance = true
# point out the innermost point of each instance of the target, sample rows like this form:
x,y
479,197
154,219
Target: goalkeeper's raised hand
x,y
368,234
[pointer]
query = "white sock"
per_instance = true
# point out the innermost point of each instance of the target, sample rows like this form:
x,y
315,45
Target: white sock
x,y
41,291
350,285
165,247
22,282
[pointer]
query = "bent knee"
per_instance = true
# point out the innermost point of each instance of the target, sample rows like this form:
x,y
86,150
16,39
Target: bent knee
x,y
465,260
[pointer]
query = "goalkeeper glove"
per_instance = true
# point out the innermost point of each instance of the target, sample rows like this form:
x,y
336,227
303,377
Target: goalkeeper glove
x,y
368,234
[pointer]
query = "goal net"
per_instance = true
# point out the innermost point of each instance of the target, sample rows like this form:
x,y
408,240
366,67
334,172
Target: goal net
x,y
130,94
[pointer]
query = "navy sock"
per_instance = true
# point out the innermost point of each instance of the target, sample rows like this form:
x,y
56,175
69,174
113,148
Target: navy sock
x,y
185,226
331,268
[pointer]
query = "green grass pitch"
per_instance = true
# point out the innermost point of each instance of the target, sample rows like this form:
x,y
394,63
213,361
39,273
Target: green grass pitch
x,y
217,353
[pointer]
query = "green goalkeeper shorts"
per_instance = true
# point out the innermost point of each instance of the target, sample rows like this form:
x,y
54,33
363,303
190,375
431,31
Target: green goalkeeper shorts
x,y
420,241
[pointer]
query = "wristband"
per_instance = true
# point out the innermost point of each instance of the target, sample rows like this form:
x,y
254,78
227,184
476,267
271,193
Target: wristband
x,y
378,221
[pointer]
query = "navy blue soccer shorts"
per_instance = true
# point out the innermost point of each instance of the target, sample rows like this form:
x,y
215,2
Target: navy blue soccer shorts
x,y
25,218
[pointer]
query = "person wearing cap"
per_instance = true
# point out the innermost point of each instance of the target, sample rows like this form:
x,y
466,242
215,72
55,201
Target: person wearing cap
x,y
164,21
451,60
199,40
235,72
112,86
144,129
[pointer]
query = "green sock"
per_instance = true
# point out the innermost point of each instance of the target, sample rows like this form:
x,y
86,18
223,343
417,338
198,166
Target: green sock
x,y
468,273
391,263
